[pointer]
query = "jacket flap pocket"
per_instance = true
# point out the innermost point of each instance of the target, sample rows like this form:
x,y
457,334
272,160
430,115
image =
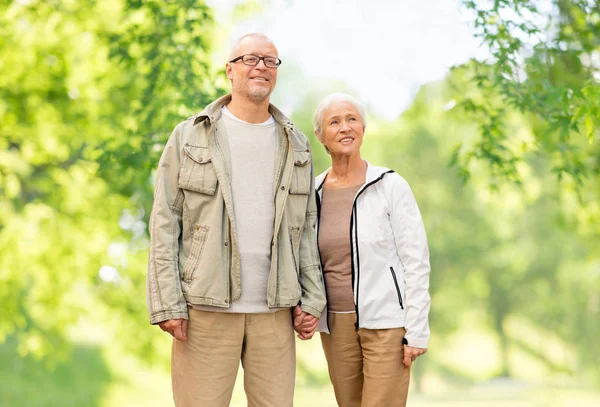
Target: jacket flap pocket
x,y
200,155
301,158
301,176
197,173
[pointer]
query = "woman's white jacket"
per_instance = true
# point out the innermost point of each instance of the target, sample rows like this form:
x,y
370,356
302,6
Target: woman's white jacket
x,y
390,256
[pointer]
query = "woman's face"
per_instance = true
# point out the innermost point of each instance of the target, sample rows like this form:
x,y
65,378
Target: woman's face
x,y
342,129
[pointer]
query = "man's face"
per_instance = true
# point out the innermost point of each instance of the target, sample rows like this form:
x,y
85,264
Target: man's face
x,y
254,83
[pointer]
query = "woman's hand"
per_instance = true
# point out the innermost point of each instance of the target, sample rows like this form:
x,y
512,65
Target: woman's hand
x,y
410,354
304,323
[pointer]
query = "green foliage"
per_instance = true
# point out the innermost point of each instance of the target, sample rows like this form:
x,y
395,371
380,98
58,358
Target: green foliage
x,y
546,72
80,383
537,108
162,52
89,92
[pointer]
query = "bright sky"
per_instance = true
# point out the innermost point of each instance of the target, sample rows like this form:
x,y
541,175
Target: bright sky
x,y
383,49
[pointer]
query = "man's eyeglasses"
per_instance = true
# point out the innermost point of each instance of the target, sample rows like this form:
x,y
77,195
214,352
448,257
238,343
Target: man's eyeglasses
x,y
253,60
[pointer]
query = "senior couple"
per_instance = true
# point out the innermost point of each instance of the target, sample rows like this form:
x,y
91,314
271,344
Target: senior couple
x,y
248,248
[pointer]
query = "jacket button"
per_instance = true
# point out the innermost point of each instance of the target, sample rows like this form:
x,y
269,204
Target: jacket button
x,y
298,162
283,188
225,244
226,301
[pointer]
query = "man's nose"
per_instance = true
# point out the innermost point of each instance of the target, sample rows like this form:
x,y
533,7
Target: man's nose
x,y
261,61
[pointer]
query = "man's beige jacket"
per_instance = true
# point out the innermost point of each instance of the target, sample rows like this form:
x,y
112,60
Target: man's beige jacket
x,y
194,255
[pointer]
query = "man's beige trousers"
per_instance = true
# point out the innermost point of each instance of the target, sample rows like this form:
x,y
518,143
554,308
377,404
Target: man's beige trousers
x,y
205,366
365,367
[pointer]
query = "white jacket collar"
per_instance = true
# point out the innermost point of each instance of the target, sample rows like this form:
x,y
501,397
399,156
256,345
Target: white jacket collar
x,y
373,172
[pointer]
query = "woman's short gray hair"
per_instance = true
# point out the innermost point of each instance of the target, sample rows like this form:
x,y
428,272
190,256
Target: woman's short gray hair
x,y
336,98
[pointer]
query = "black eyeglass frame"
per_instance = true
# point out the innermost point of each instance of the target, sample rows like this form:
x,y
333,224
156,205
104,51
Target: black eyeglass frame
x,y
279,61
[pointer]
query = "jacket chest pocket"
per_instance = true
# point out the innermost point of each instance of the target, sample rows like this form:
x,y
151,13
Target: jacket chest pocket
x,y
197,172
301,176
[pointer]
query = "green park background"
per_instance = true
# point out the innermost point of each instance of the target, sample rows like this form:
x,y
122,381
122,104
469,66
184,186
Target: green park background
x,y
502,154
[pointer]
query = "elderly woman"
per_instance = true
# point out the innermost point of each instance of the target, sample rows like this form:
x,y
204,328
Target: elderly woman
x,y
375,263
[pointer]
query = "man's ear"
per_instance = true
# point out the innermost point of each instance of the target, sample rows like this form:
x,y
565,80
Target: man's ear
x,y
229,71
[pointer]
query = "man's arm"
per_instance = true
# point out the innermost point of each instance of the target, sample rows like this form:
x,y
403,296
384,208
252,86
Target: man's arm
x,y
164,295
311,276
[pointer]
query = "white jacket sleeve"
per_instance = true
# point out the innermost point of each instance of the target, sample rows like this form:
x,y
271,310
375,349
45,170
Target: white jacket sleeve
x,y
411,243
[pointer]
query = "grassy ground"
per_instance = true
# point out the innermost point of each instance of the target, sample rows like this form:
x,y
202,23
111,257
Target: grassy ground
x,y
98,377
156,392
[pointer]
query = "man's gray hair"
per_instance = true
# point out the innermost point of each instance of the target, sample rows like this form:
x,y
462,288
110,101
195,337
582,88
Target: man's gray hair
x,y
236,46
337,98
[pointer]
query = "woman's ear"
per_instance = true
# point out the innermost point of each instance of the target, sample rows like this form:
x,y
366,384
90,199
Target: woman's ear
x,y
318,135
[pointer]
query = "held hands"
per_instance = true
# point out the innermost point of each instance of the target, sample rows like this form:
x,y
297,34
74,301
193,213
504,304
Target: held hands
x,y
304,323
176,327
410,354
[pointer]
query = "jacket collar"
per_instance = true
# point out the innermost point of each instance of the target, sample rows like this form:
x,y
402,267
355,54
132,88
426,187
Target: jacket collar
x,y
212,113
373,172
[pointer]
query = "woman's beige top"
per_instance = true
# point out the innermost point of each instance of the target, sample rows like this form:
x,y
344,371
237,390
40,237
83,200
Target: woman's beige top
x,y
334,246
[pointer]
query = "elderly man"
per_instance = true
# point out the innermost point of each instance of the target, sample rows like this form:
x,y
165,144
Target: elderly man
x,y
233,245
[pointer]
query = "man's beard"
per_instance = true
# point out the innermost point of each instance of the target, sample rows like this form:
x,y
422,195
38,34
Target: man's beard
x,y
259,94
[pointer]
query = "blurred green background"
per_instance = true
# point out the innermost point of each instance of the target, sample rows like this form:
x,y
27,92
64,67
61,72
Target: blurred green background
x,y
502,155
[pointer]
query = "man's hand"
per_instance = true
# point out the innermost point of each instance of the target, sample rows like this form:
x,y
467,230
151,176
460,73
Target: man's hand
x,y
410,354
176,327
304,323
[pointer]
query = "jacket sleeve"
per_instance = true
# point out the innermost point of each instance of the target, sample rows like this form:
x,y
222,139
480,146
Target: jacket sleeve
x,y
411,243
311,275
164,295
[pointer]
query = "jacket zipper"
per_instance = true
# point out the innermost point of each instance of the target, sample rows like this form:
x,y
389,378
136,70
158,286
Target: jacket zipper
x,y
357,273
397,287
229,298
283,162
354,220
